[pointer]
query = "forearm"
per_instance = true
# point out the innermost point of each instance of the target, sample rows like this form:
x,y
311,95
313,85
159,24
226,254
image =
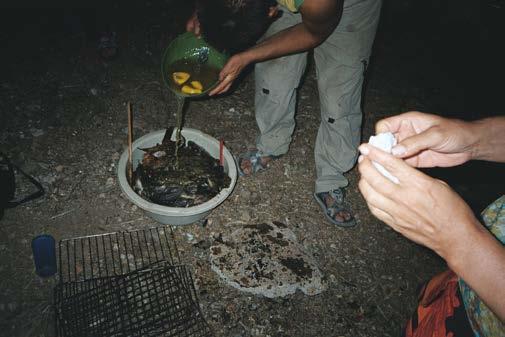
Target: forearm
x,y
490,145
319,20
292,40
479,260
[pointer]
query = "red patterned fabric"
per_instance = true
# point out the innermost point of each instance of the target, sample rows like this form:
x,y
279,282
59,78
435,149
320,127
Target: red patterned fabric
x,y
438,301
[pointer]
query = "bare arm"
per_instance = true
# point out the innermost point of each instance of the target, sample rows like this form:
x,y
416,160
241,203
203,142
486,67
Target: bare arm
x,y
479,259
320,17
491,142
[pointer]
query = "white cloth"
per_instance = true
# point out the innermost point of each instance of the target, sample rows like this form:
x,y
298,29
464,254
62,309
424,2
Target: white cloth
x,y
384,141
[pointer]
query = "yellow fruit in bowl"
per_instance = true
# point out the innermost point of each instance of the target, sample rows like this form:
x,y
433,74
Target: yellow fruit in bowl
x,y
180,77
190,90
197,85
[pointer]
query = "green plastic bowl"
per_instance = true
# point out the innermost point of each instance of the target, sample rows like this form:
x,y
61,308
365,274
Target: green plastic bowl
x,y
193,52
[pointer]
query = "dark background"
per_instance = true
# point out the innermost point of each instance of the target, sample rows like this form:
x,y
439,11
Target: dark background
x,y
448,50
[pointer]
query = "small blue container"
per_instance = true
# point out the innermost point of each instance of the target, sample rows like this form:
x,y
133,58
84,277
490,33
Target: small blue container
x,y
44,255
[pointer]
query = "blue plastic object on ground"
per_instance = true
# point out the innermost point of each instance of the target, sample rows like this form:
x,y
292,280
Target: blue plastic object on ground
x,y
44,255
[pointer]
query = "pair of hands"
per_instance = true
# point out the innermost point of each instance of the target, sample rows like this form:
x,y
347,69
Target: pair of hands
x,y
423,209
232,68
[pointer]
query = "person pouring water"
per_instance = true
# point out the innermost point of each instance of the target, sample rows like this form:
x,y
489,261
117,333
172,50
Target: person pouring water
x,y
341,34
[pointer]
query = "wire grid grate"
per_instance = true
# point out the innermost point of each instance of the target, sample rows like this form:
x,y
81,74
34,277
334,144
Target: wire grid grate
x,y
126,284
156,302
112,254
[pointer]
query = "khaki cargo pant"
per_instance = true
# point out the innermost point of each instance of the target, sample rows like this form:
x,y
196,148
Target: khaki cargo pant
x,y
340,64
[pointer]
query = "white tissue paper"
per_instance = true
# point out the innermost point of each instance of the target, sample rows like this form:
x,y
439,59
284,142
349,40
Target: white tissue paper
x,y
384,141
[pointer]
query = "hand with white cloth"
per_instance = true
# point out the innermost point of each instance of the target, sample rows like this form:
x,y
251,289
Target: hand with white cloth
x,y
426,140
427,210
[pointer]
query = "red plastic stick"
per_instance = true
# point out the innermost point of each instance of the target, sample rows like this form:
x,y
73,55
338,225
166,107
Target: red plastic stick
x,y
221,148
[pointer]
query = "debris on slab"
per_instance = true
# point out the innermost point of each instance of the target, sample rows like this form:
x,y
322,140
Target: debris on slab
x,y
266,259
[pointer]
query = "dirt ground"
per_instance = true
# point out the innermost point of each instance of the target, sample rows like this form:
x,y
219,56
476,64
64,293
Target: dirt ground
x,y
63,120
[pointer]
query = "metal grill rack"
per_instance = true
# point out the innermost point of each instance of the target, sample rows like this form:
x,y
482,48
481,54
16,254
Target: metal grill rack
x,y
126,284
113,254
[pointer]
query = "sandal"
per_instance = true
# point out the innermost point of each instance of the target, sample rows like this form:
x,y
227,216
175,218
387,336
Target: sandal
x,y
336,207
255,157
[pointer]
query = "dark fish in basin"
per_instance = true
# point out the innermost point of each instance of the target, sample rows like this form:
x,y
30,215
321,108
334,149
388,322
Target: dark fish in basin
x,y
196,178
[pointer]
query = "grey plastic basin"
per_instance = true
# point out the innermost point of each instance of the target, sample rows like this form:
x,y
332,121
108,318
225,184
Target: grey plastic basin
x,y
176,215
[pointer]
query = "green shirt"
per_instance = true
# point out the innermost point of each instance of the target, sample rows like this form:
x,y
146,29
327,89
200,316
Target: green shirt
x,y
292,5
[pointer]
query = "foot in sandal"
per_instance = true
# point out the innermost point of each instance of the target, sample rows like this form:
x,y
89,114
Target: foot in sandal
x,y
254,161
335,209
